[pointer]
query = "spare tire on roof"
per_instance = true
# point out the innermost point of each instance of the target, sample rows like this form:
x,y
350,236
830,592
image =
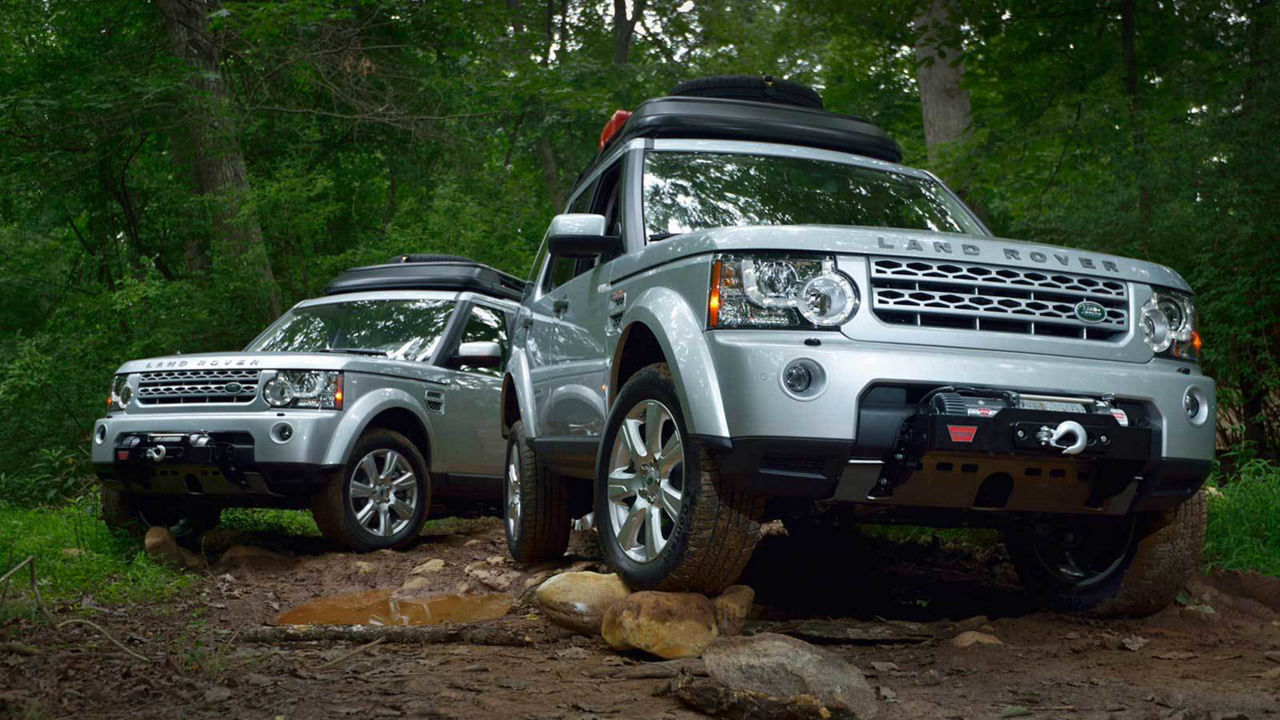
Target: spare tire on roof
x,y
760,88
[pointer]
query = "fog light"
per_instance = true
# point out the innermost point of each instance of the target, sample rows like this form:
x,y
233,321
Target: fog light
x,y
1196,405
798,378
282,432
100,435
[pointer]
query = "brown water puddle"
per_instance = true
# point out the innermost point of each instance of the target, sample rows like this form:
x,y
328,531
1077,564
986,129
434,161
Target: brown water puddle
x,y
378,607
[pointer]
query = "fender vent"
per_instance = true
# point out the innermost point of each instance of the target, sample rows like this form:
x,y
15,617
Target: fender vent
x,y
435,402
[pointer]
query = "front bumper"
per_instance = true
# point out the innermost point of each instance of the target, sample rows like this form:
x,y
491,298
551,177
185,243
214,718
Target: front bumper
x,y
229,455
841,444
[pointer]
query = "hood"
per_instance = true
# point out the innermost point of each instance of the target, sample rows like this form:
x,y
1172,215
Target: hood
x,y
247,361
905,243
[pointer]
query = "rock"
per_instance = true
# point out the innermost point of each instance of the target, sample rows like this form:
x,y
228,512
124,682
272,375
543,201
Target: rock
x,y
669,625
884,666
249,557
191,560
713,698
487,574
217,540
784,667
1133,643
664,670
162,548
732,607
1273,656
362,568
973,637
412,587
578,600
430,566
216,694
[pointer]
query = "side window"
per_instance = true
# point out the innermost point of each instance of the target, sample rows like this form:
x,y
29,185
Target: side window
x,y
582,203
486,324
608,200
603,197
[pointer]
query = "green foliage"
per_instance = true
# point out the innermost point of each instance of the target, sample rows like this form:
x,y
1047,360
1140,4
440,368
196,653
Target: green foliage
x,y
266,520
77,556
1244,520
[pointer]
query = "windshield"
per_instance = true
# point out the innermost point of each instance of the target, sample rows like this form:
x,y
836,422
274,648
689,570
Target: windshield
x,y
685,191
401,329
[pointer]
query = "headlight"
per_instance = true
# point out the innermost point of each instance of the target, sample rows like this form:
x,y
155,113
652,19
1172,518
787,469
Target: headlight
x,y
1168,324
779,291
320,389
121,393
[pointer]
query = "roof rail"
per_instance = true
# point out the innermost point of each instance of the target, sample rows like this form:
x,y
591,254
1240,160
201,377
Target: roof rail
x,y
407,274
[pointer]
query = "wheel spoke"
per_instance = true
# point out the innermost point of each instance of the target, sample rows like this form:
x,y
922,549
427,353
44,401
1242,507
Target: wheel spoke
x,y
370,467
629,533
630,432
404,482
670,499
671,456
383,517
361,490
366,512
654,417
653,541
389,467
622,484
402,508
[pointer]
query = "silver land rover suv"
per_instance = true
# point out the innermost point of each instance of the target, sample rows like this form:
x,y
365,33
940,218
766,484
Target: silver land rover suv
x,y
751,311
365,405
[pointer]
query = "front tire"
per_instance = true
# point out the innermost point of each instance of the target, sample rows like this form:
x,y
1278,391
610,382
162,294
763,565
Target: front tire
x,y
1140,566
381,498
666,519
536,503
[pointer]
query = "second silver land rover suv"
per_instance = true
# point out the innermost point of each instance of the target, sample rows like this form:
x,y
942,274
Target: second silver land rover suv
x,y
367,405
750,310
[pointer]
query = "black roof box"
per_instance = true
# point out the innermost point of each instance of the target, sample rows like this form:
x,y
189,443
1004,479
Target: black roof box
x,y
722,119
407,273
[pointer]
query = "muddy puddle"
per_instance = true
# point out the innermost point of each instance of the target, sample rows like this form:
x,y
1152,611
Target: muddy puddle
x,y
379,607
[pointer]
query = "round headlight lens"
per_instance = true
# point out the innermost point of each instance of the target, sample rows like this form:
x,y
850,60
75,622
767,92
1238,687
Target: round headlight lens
x,y
828,299
1173,313
121,392
1155,327
279,392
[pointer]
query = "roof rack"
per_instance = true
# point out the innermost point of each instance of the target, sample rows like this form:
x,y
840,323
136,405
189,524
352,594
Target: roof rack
x,y
726,119
406,273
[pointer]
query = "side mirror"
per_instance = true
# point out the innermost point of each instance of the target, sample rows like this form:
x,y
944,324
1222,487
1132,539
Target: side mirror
x,y
581,235
479,354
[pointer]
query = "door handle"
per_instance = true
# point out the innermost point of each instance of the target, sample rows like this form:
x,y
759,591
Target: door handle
x,y
559,306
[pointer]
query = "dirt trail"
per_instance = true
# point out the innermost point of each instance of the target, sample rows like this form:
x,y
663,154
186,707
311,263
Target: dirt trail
x,y
1184,662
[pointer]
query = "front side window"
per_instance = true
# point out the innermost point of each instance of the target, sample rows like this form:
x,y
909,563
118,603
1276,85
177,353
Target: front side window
x,y
400,329
486,325
686,191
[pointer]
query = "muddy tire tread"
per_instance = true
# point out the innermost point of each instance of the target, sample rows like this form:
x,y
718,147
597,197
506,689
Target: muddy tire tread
x,y
1166,558
328,504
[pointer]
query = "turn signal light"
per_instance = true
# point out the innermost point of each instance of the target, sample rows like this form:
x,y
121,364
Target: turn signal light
x,y
713,303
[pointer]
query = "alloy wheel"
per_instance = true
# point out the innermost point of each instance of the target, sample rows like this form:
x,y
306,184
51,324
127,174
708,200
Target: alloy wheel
x,y
645,486
513,490
383,492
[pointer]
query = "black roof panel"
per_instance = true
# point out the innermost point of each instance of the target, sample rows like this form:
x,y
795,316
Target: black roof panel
x,y
455,275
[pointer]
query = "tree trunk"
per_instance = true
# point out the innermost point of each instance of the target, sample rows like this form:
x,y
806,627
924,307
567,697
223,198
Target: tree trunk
x,y
1129,53
550,172
624,29
943,100
213,150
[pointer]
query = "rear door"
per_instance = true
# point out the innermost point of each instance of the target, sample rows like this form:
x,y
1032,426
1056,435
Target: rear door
x,y
471,428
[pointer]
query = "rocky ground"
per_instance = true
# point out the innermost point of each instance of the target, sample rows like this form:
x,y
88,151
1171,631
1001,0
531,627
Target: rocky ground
x,y
937,633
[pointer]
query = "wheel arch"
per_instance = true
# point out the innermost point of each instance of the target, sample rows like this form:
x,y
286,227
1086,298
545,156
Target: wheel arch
x,y
649,326
389,409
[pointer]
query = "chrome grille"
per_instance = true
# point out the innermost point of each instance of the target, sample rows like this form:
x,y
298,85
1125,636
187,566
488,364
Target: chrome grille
x,y
937,293
183,387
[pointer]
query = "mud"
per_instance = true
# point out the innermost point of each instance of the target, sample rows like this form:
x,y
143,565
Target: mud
x,y
891,610
380,607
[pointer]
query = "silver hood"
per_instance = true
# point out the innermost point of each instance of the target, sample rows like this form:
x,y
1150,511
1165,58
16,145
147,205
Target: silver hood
x,y
252,361
905,243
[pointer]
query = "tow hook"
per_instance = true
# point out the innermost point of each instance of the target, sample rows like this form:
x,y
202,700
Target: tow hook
x,y
1069,435
156,453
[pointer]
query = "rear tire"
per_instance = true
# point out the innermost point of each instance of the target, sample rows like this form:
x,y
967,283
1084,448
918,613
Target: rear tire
x,y
535,509
1158,556
381,498
716,528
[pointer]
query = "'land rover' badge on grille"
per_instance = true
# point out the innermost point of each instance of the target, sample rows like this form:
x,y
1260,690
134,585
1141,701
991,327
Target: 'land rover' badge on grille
x,y
233,388
1090,311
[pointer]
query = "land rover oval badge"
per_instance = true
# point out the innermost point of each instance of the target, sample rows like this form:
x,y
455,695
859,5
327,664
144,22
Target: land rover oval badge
x,y
1090,311
235,388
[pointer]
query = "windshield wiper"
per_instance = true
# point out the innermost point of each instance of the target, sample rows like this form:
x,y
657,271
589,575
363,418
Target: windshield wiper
x,y
357,351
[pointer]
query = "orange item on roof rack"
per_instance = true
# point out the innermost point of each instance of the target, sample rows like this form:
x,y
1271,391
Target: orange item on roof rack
x,y
611,128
